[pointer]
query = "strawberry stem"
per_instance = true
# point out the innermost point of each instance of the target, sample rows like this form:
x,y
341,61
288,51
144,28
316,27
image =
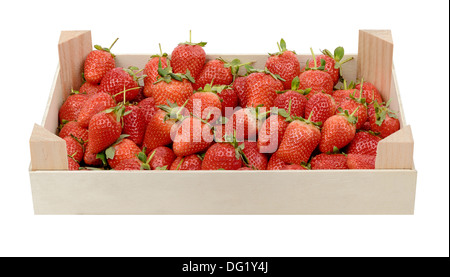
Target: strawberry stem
x,y
314,57
113,43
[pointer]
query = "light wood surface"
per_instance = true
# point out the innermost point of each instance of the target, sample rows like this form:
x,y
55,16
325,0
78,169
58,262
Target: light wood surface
x,y
48,151
73,47
396,151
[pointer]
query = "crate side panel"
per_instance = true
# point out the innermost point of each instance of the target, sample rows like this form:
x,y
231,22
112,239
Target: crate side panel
x,y
327,192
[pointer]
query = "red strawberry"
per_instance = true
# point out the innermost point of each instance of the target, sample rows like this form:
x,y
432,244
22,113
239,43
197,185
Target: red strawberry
x,y
104,130
294,98
383,120
299,141
245,123
97,63
316,79
159,129
73,165
89,89
205,104
352,104
329,161
245,168
275,163
217,72
364,143
71,108
358,161
129,164
239,87
175,88
272,131
95,104
320,107
228,99
193,136
294,167
191,162
73,128
161,158
122,150
261,88
254,158
119,82
134,124
333,63
74,148
91,158
223,155
338,131
284,63
151,71
148,108
189,56
370,92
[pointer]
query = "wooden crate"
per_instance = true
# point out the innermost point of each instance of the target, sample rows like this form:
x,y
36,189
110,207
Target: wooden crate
x,y
389,189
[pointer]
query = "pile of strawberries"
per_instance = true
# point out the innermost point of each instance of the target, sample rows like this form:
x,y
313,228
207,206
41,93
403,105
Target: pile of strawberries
x,y
194,114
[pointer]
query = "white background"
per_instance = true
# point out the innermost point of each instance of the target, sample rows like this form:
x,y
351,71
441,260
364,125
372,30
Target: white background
x,y
28,43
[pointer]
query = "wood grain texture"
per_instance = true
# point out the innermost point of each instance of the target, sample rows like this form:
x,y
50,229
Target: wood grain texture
x,y
48,151
73,47
375,59
396,151
221,192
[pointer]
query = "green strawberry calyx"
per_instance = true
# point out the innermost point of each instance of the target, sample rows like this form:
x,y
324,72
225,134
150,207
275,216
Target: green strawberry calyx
x,y
295,87
98,47
316,67
266,71
238,147
350,117
336,151
281,48
160,55
346,86
133,71
234,65
381,111
173,111
201,44
146,160
337,56
167,75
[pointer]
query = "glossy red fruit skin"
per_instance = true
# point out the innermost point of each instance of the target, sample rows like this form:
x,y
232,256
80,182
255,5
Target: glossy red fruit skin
x,y
239,88
286,65
89,89
193,136
74,128
337,131
229,101
317,81
370,92
115,81
134,124
129,164
73,165
95,104
271,133
148,108
293,167
351,105
124,150
188,57
200,104
369,95
261,89
322,107
329,161
97,63
214,70
244,123
71,108
298,102
255,158
191,162
358,161
104,130
163,157
299,141
175,92
151,71
74,149
221,156
364,143
91,158
275,163
389,126
158,132
329,67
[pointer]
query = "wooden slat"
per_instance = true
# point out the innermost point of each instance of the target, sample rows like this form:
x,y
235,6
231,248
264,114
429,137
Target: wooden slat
x,y
48,151
375,52
396,151
73,47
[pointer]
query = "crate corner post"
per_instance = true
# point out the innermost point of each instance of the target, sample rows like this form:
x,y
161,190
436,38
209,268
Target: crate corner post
x,y
48,151
396,151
